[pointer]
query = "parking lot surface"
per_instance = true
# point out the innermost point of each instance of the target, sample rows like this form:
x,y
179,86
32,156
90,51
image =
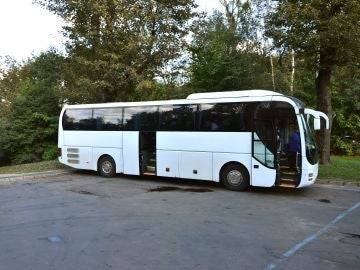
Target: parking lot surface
x,y
82,221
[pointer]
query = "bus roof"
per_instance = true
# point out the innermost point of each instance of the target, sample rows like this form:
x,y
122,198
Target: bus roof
x,y
226,96
234,94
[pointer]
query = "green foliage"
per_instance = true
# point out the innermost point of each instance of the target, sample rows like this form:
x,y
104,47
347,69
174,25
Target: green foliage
x,y
11,79
346,100
317,27
28,138
30,131
224,59
342,146
50,153
116,47
4,157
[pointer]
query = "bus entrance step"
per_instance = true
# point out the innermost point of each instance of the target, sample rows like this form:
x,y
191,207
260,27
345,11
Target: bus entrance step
x,y
289,172
149,173
287,181
151,169
287,185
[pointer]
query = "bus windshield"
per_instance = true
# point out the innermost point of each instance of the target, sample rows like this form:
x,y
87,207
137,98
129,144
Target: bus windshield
x,y
311,148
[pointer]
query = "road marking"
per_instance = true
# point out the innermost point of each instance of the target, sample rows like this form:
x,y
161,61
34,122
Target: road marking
x,y
55,239
309,239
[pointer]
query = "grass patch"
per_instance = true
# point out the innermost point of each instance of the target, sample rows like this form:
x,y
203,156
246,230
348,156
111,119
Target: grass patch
x,y
341,168
32,167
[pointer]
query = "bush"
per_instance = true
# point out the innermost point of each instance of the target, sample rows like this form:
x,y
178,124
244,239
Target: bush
x,y
50,153
345,146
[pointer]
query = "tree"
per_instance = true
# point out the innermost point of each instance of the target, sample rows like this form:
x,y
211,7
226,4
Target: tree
x,y
29,133
10,80
346,101
228,51
117,46
327,34
223,55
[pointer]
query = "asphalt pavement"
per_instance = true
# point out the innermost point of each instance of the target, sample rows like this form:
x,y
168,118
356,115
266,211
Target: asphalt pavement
x,y
82,221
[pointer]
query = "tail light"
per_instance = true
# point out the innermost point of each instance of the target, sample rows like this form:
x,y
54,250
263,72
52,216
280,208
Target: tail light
x,y
59,152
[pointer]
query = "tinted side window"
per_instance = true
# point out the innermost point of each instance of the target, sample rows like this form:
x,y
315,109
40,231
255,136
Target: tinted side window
x,y
224,117
140,118
108,118
148,118
177,117
78,119
264,124
131,119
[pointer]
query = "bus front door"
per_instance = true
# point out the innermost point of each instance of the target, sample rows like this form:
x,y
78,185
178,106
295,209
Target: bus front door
x,y
263,172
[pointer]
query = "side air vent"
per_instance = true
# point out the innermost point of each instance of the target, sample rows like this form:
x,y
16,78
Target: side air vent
x,y
73,155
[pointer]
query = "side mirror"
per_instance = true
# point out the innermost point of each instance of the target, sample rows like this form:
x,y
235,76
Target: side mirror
x,y
317,124
317,115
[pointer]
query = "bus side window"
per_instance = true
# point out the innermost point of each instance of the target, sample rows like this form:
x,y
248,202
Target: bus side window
x,y
78,119
165,117
108,119
209,118
187,117
223,117
177,117
148,118
130,118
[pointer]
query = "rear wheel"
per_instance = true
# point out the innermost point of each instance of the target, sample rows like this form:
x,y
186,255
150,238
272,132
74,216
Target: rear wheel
x,y
106,166
235,177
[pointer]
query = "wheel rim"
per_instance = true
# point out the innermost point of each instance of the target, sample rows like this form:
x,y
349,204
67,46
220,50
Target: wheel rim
x,y
106,167
234,177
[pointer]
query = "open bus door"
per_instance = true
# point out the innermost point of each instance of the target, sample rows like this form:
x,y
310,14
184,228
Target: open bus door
x,y
139,148
275,128
263,169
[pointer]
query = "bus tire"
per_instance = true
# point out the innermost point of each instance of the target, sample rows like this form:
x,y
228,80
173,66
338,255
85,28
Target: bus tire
x,y
106,166
235,177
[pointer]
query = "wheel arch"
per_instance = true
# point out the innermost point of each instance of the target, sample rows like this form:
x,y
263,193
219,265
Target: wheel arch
x,y
234,163
106,165
115,153
102,156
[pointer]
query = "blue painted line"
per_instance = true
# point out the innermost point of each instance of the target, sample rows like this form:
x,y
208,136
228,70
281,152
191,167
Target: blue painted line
x,y
307,240
55,239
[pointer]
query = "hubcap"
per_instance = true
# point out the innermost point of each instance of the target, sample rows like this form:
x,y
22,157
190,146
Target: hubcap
x,y
234,177
106,166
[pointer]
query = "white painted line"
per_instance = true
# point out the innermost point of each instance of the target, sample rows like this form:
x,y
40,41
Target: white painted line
x,y
307,240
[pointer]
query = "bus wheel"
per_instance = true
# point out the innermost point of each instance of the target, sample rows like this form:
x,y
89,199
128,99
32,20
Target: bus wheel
x,y
106,166
235,177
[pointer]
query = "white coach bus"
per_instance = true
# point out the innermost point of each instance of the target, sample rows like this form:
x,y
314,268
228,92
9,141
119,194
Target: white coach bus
x,y
239,138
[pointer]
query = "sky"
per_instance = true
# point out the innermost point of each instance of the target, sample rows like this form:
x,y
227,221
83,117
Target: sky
x,y
27,29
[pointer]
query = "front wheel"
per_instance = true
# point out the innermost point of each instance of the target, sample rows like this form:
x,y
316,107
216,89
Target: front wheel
x,y
235,177
106,166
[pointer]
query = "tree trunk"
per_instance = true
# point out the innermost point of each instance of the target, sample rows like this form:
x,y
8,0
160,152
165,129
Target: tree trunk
x,y
323,103
292,72
272,72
